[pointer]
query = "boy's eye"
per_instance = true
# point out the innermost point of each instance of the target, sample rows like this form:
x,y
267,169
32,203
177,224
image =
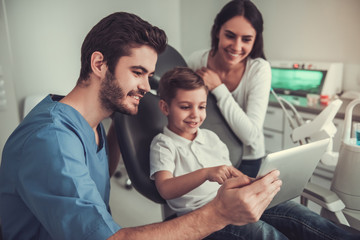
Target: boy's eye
x,y
184,107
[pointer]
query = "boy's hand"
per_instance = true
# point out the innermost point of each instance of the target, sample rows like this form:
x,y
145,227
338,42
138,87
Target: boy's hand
x,y
221,173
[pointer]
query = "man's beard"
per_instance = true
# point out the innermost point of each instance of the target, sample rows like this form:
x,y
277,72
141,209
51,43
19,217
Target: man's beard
x,y
111,96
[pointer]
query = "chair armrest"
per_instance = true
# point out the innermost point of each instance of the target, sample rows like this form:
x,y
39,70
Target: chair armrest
x,y
324,197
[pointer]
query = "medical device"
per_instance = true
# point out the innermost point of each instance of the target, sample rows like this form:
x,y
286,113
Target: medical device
x,y
346,178
300,78
319,128
342,203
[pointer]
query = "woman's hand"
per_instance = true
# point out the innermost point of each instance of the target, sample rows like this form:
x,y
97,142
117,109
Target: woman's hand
x,y
211,78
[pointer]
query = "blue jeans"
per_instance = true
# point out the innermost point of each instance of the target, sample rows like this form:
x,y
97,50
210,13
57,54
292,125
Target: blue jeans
x,y
288,220
259,230
250,167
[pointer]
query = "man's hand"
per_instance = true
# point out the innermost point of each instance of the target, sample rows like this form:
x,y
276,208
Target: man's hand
x,y
238,204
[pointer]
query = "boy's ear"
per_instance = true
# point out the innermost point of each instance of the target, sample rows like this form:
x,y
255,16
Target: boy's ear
x,y
164,107
98,66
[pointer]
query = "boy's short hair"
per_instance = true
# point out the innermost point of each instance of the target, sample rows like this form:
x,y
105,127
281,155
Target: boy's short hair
x,y
114,36
179,78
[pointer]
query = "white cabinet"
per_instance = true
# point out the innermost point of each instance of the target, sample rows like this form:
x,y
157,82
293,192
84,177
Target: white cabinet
x,y
273,141
274,119
274,129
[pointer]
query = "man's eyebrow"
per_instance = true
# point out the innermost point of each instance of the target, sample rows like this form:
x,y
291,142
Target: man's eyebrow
x,y
144,70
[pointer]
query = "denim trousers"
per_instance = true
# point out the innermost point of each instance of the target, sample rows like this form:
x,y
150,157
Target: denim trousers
x,y
288,220
250,167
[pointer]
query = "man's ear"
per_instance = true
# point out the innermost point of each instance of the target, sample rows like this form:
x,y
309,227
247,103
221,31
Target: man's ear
x,y
164,108
98,66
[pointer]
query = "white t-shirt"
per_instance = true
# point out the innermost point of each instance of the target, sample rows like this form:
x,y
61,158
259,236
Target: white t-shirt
x,y
244,108
178,155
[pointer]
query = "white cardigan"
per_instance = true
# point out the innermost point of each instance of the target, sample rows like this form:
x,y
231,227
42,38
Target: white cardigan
x,y
244,108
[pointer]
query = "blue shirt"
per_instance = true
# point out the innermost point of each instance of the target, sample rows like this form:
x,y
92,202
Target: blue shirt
x,y
54,178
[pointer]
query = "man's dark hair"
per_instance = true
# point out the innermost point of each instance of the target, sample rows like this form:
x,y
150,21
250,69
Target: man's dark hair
x,y
114,36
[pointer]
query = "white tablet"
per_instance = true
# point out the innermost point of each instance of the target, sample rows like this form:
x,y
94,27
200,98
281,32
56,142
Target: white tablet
x,y
296,166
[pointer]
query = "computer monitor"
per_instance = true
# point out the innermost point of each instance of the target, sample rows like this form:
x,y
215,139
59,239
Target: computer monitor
x,y
298,82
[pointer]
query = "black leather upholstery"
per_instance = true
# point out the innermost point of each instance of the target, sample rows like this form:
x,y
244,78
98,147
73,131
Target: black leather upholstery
x,y
217,123
169,59
135,133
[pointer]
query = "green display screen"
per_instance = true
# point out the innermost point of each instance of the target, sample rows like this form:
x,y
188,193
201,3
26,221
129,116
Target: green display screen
x,y
297,81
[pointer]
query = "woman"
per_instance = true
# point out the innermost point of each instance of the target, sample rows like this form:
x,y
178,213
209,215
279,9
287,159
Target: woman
x,y
236,72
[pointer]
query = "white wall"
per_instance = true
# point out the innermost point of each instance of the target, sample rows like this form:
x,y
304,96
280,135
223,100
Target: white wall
x,y
47,36
9,117
317,30
314,30
197,18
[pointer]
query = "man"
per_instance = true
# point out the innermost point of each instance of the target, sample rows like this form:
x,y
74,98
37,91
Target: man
x,y
54,177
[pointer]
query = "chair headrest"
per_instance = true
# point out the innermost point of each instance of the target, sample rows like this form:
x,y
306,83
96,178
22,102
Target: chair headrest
x,y
167,60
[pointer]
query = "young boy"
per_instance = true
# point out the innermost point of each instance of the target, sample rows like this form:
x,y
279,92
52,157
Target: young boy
x,y
187,163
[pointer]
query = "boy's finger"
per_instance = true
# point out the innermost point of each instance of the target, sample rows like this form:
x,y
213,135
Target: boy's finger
x,y
237,182
236,172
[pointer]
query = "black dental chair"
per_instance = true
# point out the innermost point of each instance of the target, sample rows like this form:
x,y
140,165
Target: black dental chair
x,y
135,133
